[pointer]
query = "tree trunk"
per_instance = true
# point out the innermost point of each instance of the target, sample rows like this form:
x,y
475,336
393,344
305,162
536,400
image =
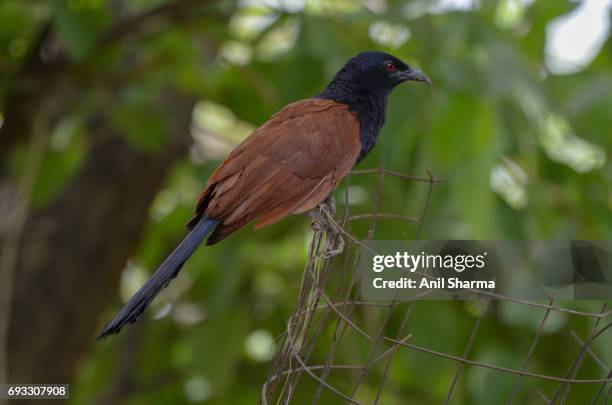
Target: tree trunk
x,y
66,259
71,254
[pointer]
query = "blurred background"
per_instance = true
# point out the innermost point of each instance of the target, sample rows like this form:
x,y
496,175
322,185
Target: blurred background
x,y
113,114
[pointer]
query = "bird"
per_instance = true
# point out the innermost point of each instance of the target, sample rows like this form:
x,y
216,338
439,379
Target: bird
x,y
289,165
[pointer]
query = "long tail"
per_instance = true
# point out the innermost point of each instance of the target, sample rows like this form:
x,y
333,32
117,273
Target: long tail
x,y
161,278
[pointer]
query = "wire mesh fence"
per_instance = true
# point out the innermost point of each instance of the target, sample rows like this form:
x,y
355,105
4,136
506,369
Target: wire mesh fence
x,y
331,317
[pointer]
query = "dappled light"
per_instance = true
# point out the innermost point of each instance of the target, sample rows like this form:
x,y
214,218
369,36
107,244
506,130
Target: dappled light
x,y
114,114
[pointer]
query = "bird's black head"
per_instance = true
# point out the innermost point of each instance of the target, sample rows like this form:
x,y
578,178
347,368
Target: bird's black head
x,y
376,72
364,83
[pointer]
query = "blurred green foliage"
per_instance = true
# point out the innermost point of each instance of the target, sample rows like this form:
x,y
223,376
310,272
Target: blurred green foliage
x,y
523,154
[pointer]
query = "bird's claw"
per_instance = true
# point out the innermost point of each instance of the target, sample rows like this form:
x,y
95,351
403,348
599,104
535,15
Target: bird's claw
x,y
330,204
322,220
333,248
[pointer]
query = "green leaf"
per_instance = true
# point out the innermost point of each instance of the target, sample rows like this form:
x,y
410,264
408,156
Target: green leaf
x,y
79,24
141,118
464,146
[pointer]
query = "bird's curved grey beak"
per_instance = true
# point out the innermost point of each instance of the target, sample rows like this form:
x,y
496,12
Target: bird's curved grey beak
x,y
414,74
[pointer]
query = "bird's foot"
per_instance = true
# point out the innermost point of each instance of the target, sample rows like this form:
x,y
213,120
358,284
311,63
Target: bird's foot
x,y
334,246
323,220
317,223
330,204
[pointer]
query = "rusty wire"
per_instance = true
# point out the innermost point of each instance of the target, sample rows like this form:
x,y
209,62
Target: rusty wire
x,y
330,300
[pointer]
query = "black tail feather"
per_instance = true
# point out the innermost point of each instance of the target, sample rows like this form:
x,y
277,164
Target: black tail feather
x,y
161,278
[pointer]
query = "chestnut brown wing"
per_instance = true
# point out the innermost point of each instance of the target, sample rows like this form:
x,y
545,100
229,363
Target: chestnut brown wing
x,y
289,165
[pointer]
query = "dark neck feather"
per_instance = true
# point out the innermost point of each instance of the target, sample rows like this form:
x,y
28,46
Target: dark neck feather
x,y
370,106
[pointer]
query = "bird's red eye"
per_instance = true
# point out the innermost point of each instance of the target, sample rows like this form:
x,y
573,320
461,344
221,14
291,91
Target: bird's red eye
x,y
390,67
